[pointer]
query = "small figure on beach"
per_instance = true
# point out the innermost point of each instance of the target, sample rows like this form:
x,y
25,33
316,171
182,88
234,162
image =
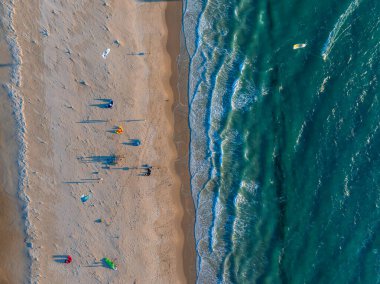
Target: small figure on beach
x,y
117,43
110,104
68,259
119,130
133,142
147,173
84,197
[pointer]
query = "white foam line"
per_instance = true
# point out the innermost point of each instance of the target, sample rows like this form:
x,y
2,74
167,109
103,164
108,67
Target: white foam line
x,y
17,104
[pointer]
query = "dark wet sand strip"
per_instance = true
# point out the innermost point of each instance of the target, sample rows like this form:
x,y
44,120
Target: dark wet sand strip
x,y
178,81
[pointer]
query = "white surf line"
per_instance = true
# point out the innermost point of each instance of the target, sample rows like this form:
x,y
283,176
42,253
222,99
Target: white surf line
x,y
16,100
334,34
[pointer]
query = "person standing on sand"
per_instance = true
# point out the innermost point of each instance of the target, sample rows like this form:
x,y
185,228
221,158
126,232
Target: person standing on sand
x,y
110,104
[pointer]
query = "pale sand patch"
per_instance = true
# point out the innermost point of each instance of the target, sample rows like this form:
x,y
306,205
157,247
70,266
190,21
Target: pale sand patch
x,y
68,141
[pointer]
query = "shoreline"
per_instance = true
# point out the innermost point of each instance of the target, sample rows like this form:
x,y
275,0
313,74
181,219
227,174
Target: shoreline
x,y
11,224
14,219
48,172
178,81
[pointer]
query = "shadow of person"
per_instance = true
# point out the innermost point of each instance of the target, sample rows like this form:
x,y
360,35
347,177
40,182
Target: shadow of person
x,y
105,103
60,258
132,142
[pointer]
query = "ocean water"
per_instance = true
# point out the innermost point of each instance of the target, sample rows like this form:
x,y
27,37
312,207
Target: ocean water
x,y
285,144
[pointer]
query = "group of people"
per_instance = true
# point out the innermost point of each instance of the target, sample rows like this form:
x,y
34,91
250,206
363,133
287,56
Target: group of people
x,y
147,172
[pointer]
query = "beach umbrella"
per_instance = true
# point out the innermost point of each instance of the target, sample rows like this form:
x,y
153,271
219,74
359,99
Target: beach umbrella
x,y
110,263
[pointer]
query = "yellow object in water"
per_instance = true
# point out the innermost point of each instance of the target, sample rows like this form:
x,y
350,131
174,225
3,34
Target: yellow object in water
x,y
299,45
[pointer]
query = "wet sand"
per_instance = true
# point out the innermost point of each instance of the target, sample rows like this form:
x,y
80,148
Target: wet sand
x,y
178,81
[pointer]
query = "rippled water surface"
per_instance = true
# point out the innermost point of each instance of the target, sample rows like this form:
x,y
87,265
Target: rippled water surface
x,y
285,144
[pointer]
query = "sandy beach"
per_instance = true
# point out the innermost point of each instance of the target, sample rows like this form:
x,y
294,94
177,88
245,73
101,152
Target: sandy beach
x,y
142,223
12,269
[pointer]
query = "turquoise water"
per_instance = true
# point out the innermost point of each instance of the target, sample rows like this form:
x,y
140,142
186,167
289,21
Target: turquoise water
x,y
285,144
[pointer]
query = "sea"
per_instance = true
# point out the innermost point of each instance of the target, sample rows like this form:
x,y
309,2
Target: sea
x,y
285,143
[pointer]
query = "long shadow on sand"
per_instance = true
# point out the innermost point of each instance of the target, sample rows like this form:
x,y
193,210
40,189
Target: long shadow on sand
x,y
125,168
83,180
132,142
93,121
101,263
74,182
7,65
60,258
103,103
135,120
110,160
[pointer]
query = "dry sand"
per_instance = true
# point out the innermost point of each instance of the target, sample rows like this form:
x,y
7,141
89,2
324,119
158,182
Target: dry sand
x,y
69,141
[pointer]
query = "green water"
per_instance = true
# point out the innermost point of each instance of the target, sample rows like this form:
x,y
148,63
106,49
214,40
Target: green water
x,y
285,144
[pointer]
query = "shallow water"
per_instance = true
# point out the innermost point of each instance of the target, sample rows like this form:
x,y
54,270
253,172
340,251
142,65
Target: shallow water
x,y
285,143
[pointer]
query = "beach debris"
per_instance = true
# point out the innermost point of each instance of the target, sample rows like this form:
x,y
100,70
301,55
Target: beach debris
x,y
41,140
69,106
105,53
68,259
119,130
299,45
85,197
109,263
